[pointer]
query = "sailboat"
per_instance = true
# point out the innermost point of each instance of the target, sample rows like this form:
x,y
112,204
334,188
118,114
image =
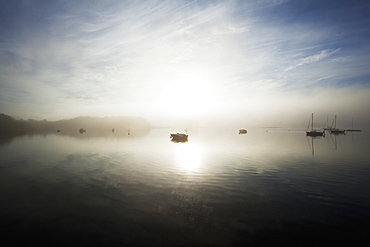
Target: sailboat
x,y
327,124
352,129
335,130
314,132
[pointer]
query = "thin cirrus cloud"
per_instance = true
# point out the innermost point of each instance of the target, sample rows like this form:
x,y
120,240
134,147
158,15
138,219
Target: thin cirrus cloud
x,y
120,57
313,58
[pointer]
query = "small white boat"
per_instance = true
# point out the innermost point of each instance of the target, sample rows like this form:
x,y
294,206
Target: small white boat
x,y
179,137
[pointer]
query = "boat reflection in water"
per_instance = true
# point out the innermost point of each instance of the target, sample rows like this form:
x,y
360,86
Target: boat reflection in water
x,y
312,147
179,137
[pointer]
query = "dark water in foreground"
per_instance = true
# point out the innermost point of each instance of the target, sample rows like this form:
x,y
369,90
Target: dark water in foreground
x,y
268,187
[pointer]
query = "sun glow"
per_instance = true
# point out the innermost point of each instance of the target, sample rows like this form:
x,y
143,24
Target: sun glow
x,y
187,96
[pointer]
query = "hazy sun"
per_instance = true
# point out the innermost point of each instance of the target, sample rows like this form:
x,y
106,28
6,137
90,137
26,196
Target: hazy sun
x,y
187,95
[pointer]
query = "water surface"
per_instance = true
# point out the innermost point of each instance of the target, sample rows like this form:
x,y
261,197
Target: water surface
x,y
269,186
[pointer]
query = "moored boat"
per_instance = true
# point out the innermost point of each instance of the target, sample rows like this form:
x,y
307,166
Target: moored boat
x,y
179,137
352,129
242,131
335,130
327,125
314,132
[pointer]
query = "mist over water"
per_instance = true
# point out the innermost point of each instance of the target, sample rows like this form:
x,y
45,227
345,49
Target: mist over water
x,y
271,185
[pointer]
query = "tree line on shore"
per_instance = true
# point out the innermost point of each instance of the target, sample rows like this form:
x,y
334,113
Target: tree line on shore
x,y
12,126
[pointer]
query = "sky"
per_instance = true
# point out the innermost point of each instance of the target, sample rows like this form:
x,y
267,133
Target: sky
x,y
238,63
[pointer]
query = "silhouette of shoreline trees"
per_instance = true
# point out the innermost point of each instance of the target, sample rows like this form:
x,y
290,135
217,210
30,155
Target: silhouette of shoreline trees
x,y
10,126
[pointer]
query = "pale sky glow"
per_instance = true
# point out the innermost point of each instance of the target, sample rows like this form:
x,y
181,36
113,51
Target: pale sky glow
x,y
256,62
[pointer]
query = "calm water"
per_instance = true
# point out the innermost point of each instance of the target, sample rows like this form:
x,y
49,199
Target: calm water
x,y
267,187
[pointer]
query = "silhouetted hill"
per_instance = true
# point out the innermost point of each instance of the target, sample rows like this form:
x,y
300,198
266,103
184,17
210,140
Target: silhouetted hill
x,y
9,125
97,125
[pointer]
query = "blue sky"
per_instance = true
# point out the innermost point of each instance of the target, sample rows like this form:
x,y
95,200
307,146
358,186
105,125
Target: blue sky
x,y
257,62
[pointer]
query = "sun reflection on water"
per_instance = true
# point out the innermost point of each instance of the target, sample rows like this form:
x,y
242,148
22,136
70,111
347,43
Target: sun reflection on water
x,y
189,156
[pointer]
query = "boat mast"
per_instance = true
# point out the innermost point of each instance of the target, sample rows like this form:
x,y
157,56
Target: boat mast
x,y
332,123
327,121
312,122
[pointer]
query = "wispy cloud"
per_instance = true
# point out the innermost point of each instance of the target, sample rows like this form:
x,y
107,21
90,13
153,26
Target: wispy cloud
x,y
118,57
313,58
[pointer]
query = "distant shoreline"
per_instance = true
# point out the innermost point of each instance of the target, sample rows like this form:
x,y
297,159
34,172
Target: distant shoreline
x,y
99,125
